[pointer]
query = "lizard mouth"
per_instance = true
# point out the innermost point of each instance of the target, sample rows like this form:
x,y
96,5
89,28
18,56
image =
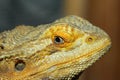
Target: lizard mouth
x,y
102,49
93,54
79,75
50,68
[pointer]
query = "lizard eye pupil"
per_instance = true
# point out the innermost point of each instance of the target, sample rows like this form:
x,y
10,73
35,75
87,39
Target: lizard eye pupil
x,y
58,40
20,65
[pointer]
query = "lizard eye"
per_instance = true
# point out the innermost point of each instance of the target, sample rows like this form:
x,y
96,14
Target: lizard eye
x,y
58,40
20,65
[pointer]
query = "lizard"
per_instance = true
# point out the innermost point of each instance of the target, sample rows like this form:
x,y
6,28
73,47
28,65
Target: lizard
x,y
55,51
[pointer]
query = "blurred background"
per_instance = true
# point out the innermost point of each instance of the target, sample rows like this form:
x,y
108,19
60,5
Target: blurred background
x,y
102,13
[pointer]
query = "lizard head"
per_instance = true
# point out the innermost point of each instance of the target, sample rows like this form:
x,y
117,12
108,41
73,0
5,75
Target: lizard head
x,y
78,44
63,49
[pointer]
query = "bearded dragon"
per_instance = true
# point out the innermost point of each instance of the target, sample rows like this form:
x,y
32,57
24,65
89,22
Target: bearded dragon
x,y
55,51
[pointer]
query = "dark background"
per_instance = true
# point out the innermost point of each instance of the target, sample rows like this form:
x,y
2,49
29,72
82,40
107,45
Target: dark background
x,y
103,13
28,12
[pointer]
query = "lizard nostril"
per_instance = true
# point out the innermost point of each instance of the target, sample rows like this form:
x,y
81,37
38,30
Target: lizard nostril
x,y
90,39
20,65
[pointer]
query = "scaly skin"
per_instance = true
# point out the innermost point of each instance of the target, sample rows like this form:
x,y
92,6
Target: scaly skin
x,y
55,51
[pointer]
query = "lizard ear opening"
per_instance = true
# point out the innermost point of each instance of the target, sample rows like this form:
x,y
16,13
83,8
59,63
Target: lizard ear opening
x,y
1,47
20,65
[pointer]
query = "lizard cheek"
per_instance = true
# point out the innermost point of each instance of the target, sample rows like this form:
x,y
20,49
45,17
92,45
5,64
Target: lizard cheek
x,y
20,65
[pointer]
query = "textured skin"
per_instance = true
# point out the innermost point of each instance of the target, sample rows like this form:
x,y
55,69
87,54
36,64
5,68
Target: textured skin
x,y
42,58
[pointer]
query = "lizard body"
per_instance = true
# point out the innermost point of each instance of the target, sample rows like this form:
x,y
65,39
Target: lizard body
x,y
55,51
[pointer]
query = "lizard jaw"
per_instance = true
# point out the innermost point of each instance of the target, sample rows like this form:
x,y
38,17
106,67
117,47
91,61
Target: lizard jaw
x,y
73,66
